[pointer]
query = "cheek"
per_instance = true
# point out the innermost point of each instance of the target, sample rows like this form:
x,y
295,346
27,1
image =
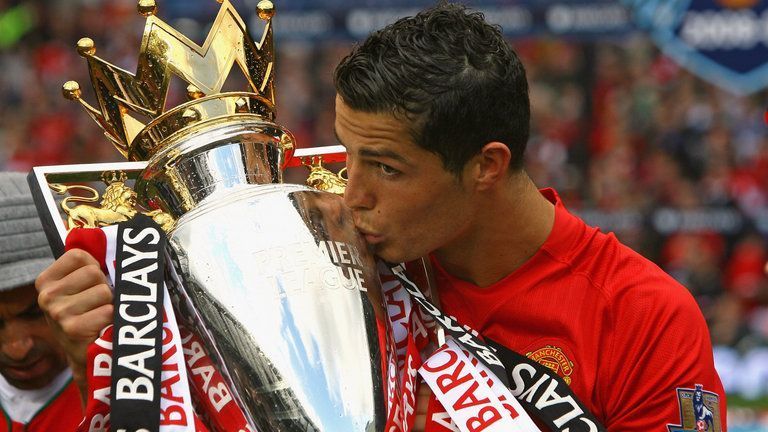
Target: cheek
x,y
448,216
45,340
430,224
425,210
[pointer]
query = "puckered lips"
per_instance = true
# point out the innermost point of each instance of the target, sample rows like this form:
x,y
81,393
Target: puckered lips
x,y
370,236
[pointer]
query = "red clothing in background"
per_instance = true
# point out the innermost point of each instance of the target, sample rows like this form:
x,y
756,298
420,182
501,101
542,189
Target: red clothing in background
x,y
62,414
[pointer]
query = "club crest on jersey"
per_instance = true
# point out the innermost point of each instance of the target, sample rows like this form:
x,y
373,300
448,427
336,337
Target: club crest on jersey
x,y
554,358
699,411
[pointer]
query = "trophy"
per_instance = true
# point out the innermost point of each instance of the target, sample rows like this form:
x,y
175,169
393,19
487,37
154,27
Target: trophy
x,y
273,278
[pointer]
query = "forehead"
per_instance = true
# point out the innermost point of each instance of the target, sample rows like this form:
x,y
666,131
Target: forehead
x,y
359,128
17,300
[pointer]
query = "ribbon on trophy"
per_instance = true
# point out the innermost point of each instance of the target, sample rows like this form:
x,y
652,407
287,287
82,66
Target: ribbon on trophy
x,y
475,399
138,323
125,392
470,377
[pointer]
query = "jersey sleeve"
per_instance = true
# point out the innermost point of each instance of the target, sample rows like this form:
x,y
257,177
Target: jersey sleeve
x,y
659,373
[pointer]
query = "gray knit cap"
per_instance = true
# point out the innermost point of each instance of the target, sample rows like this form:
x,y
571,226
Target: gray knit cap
x,y
24,250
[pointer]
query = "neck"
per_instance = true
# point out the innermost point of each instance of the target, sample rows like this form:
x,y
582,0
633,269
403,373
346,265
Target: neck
x,y
511,224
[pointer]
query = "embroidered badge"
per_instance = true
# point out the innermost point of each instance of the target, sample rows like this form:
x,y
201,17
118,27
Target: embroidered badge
x,y
553,358
699,411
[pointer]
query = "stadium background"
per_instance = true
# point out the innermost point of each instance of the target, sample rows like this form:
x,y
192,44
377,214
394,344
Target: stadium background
x,y
635,144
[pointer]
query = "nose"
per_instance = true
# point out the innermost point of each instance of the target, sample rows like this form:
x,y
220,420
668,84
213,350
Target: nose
x,y
16,345
357,194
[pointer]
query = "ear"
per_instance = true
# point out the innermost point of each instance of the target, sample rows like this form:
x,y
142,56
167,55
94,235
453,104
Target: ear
x,y
492,165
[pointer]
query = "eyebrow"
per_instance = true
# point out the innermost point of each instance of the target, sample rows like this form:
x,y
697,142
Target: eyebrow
x,y
33,308
375,153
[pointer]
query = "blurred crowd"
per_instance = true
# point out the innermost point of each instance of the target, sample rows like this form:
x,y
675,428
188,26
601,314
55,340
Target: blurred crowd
x,y
676,167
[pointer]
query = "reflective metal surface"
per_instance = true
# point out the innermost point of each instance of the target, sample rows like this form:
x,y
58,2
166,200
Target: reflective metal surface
x,y
289,301
278,282
212,158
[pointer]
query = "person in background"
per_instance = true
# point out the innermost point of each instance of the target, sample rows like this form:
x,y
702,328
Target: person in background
x,y
37,393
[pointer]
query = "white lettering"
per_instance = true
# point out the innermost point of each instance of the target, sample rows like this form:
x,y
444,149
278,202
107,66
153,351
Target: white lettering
x,y
102,365
137,362
489,357
444,420
137,255
550,397
517,378
343,253
141,235
99,423
219,396
528,394
102,395
592,426
141,388
207,373
139,277
722,29
129,335
152,313
195,353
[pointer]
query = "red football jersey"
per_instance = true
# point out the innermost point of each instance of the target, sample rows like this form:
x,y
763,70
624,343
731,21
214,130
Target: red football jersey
x,y
62,414
630,341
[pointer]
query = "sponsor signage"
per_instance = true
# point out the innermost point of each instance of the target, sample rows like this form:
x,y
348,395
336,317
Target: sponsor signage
x,y
354,20
722,41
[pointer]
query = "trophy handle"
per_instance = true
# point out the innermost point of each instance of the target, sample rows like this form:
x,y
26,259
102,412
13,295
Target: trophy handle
x,y
49,182
328,154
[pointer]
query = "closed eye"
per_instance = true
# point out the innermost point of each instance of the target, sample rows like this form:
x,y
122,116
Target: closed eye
x,y
32,312
387,170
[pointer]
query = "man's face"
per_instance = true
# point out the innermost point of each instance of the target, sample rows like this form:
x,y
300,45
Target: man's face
x,y
403,200
29,355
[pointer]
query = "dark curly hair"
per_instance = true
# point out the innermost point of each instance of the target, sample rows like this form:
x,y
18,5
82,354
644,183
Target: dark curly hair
x,y
451,75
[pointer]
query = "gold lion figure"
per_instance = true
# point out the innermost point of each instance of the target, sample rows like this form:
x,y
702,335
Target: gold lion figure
x,y
117,205
323,179
166,221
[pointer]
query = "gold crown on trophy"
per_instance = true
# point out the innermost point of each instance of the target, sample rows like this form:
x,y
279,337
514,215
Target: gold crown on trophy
x,y
131,107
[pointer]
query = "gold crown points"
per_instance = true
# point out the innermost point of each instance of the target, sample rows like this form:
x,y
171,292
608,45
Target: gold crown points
x,y
147,7
128,103
113,176
265,9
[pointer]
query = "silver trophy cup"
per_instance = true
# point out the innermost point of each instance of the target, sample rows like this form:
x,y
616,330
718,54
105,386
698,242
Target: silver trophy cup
x,y
274,279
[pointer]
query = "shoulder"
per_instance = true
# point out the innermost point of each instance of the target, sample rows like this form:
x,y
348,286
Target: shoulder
x,y
626,276
630,284
645,306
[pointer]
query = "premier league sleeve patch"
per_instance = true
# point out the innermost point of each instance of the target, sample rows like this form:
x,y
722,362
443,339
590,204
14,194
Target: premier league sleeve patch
x,y
699,411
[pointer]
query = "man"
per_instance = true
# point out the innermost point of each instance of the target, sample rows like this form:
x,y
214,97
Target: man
x,y
434,113
36,388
